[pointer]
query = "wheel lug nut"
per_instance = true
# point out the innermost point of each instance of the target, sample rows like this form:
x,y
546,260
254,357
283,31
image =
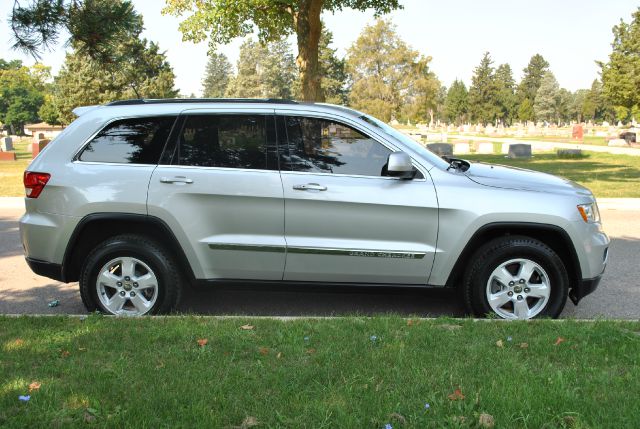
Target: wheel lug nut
x,y
132,294
135,285
122,293
521,281
119,284
519,297
127,278
510,293
527,290
511,283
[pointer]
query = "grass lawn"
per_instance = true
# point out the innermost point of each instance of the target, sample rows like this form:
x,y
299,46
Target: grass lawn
x,y
607,175
11,171
350,372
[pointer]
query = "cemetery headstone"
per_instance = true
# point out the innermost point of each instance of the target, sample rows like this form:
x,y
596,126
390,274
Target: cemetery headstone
x,y
485,148
577,133
441,149
519,151
7,144
461,147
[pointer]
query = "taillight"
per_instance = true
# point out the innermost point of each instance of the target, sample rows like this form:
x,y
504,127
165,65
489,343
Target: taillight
x,y
34,183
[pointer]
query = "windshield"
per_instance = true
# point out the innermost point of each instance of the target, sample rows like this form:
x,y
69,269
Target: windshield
x,y
387,129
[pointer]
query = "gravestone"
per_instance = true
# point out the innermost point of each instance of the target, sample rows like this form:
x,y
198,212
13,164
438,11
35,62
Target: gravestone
x,y
505,148
485,148
577,133
461,147
519,151
618,142
7,144
36,148
441,149
569,153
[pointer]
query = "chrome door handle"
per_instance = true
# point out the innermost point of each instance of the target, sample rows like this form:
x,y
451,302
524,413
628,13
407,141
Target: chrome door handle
x,y
310,187
177,179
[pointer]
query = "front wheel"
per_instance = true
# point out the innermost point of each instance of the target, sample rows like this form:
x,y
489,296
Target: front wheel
x,y
516,278
130,275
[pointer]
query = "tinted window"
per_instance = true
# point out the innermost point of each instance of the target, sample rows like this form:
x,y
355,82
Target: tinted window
x,y
130,141
234,141
323,146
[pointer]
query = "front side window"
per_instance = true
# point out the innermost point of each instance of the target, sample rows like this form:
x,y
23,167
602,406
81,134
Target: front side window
x,y
130,141
232,141
324,146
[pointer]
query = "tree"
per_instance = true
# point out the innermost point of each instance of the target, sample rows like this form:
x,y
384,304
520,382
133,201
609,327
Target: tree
x,y
143,72
525,110
456,104
388,78
333,71
506,96
483,93
94,26
217,75
264,71
546,105
20,95
621,74
577,107
223,20
530,83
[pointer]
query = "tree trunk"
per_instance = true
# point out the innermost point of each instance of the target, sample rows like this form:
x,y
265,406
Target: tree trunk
x,y
308,27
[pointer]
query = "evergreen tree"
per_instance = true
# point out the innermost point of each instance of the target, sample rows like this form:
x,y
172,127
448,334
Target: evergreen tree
x,y
333,71
547,101
483,93
530,83
457,103
217,75
507,101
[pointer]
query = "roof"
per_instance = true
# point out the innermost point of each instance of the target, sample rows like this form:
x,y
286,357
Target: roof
x,y
199,100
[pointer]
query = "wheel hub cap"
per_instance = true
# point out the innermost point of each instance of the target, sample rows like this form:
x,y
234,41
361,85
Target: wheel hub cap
x,y
518,289
115,282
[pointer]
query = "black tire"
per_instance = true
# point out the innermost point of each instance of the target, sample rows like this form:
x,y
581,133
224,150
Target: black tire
x,y
501,250
145,250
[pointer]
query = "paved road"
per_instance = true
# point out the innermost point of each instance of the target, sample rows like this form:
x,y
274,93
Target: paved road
x,y
618,296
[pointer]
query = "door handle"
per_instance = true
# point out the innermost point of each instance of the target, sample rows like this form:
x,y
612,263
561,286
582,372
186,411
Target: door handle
x,y
310,187
177,179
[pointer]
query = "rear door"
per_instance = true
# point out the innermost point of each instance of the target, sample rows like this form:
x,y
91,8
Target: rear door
x,y
345,221
219,189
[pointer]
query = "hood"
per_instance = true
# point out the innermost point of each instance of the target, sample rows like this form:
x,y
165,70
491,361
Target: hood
x,y
500,176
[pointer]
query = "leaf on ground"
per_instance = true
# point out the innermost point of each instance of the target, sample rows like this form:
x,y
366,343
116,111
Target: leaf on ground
x,y
247,327
279,355
82,349
500,344
559,341
264,351
89,418
65,353
456,395
34,386
17,342
311,351
449,327
486,421
247,423
398,417
202,342
410,322
524,345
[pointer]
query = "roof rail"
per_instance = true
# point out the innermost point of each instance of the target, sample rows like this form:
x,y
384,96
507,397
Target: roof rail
x,y
198,100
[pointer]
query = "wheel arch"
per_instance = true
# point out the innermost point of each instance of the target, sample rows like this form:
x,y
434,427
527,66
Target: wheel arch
x,y
97,227
552,235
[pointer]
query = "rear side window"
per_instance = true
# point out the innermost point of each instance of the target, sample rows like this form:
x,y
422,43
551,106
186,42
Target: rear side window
x,y
130,141
231,141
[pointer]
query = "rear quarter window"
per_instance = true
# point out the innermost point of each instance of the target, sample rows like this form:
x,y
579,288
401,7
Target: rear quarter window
x,y
130,141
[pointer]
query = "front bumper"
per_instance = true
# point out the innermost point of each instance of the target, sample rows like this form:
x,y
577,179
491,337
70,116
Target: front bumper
x,y
583,288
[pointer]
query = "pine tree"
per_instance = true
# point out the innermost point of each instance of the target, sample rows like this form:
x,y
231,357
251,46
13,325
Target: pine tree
x,y
483,93
506,98
530,83
217,75
547,101
456,103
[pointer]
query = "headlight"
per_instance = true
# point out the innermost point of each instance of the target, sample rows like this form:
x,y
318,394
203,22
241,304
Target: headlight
x,y
589,212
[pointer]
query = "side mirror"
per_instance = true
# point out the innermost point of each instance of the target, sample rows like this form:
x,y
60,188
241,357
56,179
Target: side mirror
x,y
399,165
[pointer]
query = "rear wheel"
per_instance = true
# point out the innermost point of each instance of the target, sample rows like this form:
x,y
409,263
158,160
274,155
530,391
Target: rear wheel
x,y
516,278
130,275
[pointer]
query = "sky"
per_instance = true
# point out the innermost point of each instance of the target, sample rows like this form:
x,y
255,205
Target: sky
x,y
571,35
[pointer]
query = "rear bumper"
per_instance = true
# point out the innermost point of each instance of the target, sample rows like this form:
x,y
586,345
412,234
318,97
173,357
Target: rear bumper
x,y
46,269
584,288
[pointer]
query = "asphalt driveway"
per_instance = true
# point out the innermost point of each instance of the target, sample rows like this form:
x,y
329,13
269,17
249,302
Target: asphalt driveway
x,y
618,296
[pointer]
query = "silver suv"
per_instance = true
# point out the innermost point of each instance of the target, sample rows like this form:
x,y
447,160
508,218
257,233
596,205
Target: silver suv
x,y
140,198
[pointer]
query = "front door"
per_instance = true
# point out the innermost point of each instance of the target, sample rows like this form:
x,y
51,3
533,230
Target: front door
x,y
220,191
345,220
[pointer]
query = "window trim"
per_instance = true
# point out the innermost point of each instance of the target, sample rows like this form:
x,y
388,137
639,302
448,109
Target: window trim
x,y
353,125
76,156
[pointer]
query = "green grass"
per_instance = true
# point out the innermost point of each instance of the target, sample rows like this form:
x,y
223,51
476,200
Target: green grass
x,y
11,171
607,175
125,372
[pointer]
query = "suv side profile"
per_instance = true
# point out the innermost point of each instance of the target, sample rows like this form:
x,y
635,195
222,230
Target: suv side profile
x,y
138,199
